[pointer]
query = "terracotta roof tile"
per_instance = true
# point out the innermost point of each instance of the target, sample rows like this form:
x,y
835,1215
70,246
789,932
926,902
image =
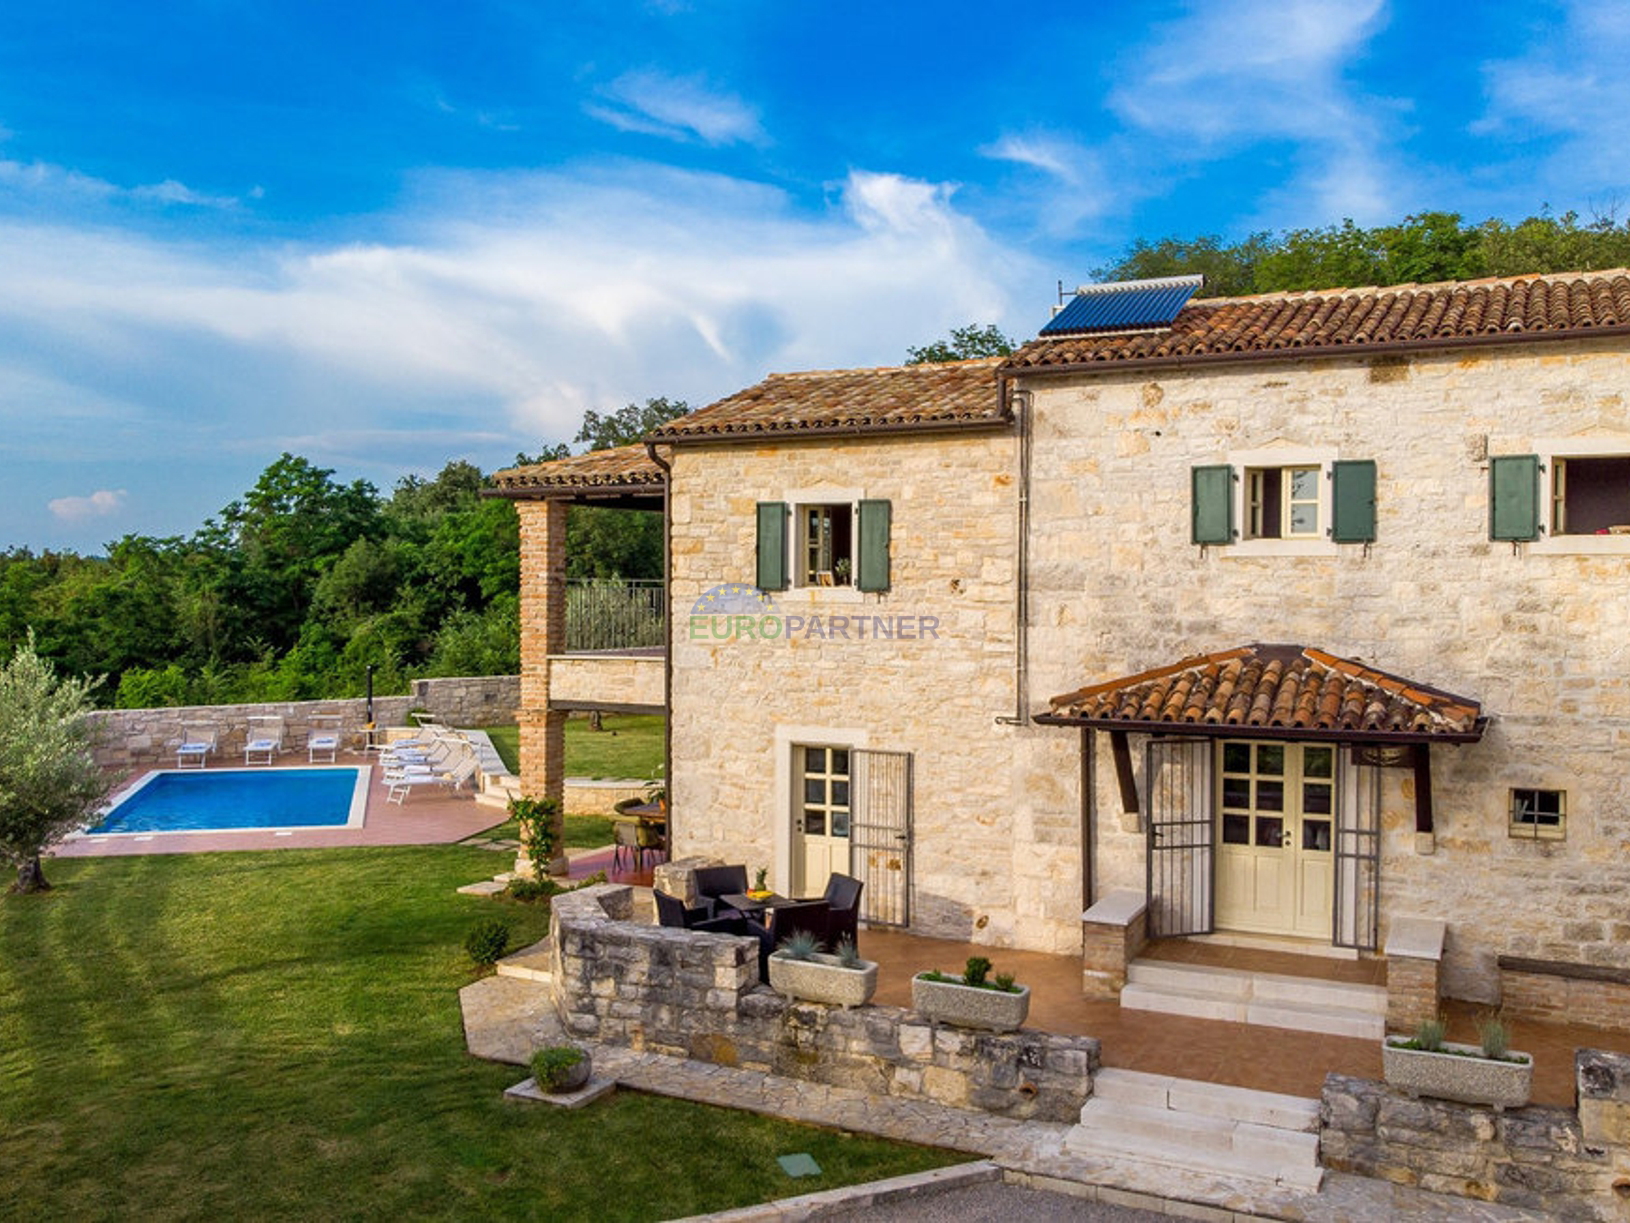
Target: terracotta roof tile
x,y
1280,687
627,468
1556,305
888,399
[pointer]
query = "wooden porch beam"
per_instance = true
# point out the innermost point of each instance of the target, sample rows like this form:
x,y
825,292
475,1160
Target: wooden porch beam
x,y
1423,787
1121,749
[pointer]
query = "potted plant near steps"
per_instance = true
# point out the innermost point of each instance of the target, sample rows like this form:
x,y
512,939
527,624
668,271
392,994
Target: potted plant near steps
x,y
561,1068
1488,1073
973,1000
798,969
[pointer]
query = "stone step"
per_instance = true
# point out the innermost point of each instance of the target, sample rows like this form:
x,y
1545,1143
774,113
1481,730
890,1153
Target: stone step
x,y
528,964
492,798
1276,1000
1210,1128
1272,1108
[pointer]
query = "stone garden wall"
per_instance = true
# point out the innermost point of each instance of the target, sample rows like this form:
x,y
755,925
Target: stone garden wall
x,y
695,995
1569,1164
149,736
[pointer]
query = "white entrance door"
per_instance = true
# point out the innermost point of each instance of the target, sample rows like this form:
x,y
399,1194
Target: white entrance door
x,y
1275,825
820,816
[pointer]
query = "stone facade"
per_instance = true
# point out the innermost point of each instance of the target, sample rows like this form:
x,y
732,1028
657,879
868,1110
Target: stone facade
x,y
1568,1164
1536,632
981,871
696,995
141,737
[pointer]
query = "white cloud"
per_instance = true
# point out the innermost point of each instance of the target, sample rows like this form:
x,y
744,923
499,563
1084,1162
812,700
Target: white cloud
x,y
99,504
1238,75
1567,92
484,321
1074,189
677,108
40,178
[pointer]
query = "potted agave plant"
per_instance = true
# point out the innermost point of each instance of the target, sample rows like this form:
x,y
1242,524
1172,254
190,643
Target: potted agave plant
x,y
1489,1072
798,969
973,1000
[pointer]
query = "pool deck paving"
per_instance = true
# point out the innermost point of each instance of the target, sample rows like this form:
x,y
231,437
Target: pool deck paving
x,y
424,819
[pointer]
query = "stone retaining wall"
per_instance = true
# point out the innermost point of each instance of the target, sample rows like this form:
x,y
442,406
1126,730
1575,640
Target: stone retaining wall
x,y
696,995
1565,993
134,737
1570,1165
585,797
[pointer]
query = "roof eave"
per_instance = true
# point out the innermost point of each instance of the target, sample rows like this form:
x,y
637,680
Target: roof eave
x,y
1002,421
1217,730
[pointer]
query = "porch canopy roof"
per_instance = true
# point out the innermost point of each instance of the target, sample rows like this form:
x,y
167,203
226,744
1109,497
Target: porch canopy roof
x,y
1273,692
623,477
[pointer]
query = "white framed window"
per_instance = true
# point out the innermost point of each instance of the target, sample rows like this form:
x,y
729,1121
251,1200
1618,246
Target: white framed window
x,y
1283,501
1584,494
1539,815
826,544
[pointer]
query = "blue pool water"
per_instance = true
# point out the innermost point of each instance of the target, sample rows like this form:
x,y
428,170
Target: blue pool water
x,y
171,801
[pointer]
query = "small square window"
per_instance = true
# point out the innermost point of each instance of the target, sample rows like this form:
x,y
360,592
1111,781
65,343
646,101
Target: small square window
x,y
826,541
1282,503
1539,814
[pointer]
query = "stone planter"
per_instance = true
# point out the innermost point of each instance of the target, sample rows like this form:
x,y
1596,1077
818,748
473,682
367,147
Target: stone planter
x,y
573,1078
1471,1079
968,1006
823,979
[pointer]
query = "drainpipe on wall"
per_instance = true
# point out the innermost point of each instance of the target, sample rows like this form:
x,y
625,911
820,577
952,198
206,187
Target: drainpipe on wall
x,y
1021,598
668,649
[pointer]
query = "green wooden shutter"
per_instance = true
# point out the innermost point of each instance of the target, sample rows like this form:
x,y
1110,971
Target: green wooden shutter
x,y
1213,504
872,573
772,545
1514,497
1352,494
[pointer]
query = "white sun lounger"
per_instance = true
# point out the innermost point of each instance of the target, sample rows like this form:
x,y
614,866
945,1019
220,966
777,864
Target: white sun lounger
x,y
323,738
265,739
198,740
401,786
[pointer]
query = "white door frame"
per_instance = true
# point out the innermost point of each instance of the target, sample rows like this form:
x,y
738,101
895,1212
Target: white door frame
x,y
787,798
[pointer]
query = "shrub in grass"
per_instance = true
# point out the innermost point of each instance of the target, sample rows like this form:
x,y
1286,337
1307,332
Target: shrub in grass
x,y
530,891
487,942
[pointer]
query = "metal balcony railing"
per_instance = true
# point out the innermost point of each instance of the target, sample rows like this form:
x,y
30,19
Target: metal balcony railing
x,y
604,614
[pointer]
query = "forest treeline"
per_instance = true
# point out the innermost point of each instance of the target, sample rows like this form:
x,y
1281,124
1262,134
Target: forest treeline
x,y
294,590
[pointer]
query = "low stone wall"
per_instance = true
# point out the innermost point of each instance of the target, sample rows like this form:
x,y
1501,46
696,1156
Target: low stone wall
x,y
697,995
1570,1165
1551,992
1113,931
584,797
134,737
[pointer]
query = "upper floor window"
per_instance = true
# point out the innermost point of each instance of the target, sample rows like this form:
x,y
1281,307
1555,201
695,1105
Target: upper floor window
x,y
1283,501
815,543
1572,495
1539,814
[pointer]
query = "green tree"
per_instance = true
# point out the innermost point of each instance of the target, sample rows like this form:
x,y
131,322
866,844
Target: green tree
x,y
50,782
1228,270
629,423
974,340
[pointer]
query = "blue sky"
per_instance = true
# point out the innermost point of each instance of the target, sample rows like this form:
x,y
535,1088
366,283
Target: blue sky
x,y
383,236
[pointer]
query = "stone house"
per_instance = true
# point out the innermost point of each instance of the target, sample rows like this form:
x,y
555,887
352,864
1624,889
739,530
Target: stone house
x,y
1301,619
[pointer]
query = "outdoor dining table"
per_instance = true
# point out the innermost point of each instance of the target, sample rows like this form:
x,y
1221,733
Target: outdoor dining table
x,y
753,905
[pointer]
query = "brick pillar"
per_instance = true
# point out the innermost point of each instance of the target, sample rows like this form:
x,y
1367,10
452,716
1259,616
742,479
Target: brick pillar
x,y
543,633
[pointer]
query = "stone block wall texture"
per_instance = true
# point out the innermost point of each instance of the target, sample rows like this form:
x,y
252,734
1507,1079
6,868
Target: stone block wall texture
x,y
138,737
1412,992
1536,636
695,995
543,632
1551,998
1566,1164
987,867
607,679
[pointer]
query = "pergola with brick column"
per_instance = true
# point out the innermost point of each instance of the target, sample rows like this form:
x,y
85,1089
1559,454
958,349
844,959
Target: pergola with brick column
x,y
622,478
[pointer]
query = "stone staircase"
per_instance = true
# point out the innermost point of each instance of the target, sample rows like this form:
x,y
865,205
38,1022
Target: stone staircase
x,y
1305,1004
1207,1128
527,964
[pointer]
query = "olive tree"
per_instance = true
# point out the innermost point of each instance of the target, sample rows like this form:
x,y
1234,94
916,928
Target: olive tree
x,y
50,782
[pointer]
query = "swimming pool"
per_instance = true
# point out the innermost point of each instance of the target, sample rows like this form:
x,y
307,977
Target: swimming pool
x,y
232,800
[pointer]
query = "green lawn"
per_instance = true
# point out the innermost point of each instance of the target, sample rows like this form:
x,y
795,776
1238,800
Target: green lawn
x,y
630,745
276,1035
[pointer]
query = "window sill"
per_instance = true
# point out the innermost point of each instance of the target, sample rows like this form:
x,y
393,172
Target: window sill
x,y
1246,548
1581,545
810,596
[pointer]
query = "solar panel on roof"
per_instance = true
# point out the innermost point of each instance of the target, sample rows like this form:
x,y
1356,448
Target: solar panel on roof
x,y
1124,306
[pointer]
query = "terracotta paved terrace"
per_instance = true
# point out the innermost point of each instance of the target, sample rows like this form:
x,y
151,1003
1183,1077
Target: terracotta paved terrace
x,y
1243,1055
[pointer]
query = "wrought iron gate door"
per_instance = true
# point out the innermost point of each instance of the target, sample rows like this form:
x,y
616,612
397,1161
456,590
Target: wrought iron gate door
x,y
880,835
1358,856
1179,858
